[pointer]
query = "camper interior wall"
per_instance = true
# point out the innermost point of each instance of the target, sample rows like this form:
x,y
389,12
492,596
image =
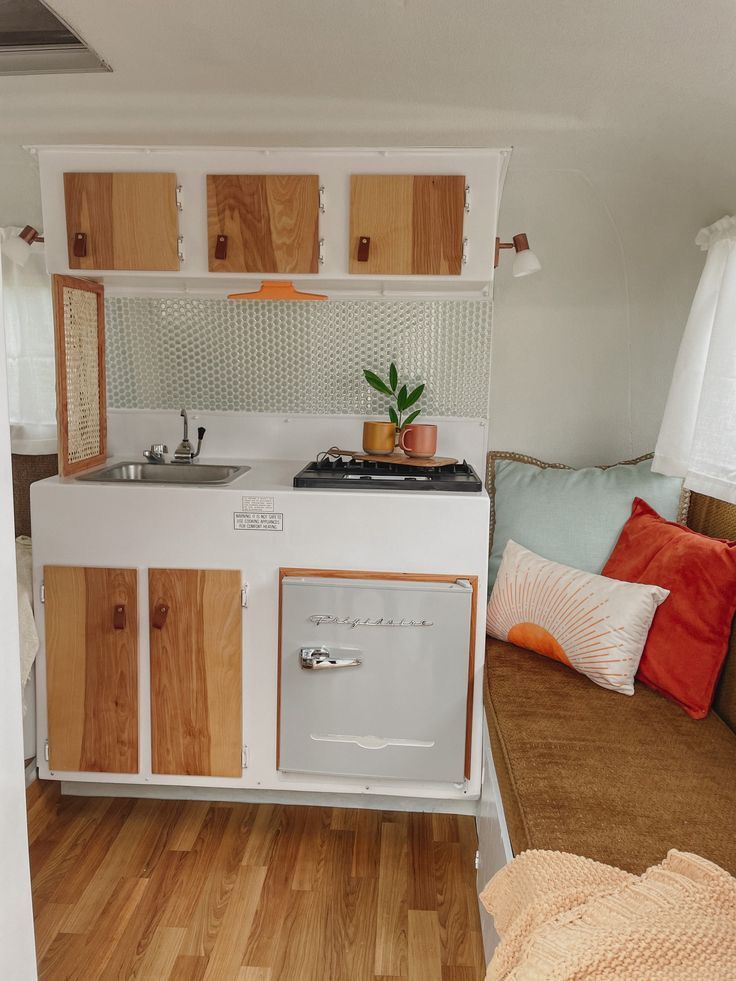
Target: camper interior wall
x,y
583,351
16,912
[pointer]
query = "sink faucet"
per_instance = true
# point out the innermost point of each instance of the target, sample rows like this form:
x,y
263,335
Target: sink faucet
x,y
184,453
157,453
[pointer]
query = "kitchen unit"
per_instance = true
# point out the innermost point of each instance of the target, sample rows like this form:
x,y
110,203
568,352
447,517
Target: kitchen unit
x,y
184,645
187,633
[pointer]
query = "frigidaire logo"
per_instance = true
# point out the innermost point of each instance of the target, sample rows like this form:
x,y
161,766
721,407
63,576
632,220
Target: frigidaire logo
x,y
352,622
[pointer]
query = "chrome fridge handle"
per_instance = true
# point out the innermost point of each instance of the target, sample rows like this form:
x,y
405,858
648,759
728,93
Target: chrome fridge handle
x,y
318,658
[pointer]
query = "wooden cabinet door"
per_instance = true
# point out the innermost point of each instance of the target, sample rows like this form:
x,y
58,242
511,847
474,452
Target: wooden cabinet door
x,y
196,671
263,223
91,618
130,221
413,224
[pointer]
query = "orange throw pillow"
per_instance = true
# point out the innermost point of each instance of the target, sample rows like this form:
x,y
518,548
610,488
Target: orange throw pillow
x,y
688,640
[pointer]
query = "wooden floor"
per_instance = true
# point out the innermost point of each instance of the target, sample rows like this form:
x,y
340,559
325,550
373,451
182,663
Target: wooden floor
x,y
190,890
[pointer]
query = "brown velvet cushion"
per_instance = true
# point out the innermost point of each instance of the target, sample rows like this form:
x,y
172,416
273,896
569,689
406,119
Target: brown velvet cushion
x,y
614,778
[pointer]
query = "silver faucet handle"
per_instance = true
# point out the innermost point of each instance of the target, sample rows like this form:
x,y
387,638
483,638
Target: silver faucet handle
x,y
157,453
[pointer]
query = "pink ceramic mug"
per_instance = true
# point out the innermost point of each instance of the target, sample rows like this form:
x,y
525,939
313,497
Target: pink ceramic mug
x,y
419,439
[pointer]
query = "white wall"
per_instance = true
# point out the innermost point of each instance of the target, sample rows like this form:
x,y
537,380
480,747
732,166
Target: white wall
x,y
20,195
583,351
16,915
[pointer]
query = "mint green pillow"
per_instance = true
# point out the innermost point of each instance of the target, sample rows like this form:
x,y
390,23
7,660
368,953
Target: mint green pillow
x,y
571,516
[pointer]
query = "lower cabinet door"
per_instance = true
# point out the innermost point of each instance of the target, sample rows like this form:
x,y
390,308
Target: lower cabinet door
x,y
91,621
196,672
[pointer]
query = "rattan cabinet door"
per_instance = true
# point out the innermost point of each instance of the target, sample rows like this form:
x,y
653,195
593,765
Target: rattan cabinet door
x,y
81,401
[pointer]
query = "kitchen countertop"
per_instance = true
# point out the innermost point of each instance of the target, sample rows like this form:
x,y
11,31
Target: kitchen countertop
x,y
265,476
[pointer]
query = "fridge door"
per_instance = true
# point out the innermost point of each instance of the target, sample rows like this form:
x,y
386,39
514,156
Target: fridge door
x,y
374,677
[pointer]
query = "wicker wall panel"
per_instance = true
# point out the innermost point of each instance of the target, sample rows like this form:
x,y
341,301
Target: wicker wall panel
x,y
82,372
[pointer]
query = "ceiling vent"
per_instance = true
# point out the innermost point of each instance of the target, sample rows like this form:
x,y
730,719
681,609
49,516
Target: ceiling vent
x,y
35,41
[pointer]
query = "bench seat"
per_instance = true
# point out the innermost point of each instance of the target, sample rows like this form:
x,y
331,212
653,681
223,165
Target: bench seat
x,y
615,778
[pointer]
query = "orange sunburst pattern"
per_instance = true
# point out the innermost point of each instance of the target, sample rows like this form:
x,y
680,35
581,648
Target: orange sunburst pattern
x,y
595,625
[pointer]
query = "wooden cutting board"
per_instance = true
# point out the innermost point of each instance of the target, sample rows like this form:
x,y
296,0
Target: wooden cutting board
x,y
397,457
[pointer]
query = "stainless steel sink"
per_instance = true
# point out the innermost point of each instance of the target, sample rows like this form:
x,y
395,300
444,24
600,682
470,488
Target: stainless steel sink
x,y
165,473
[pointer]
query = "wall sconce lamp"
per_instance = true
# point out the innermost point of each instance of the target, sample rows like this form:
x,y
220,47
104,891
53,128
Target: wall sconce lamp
x,y
18,248
525,262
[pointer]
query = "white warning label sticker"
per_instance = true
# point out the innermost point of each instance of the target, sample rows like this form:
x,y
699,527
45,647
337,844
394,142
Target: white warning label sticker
x,y
257,504
258,521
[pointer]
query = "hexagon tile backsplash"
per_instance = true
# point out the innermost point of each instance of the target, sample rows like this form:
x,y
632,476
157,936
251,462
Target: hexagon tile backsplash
x,y
212,354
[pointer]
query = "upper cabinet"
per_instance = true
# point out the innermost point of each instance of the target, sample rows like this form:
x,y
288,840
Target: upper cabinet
x,y
406,224
211,221
122,221
263,223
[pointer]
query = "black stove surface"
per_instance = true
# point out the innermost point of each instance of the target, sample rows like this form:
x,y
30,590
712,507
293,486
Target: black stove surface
x,y
344,473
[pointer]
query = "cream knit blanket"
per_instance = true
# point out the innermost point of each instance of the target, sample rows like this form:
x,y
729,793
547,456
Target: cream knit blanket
x,y
566,918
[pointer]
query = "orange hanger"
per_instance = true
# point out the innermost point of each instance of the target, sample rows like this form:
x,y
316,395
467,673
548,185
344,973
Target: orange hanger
x,y
276,289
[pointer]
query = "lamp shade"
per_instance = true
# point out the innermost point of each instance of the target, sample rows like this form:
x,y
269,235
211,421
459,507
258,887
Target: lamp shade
x,y
525,263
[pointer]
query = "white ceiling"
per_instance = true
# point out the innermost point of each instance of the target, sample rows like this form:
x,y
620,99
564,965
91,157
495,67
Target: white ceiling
x,y
635,84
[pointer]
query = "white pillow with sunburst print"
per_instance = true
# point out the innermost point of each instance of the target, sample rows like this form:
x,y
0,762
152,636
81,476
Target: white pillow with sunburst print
x,y
596,625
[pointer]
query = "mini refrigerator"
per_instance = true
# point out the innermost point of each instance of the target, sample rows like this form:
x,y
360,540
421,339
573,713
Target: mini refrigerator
x,y
374,677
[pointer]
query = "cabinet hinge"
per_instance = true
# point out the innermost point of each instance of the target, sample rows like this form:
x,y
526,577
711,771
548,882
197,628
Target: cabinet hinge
x,y
244,757
180,248
46,750
465,252
43,591
467,199
321,252
244,596
179,206
477,861
322,198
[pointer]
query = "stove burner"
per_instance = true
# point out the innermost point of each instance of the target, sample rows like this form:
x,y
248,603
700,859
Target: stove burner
x,y
344,473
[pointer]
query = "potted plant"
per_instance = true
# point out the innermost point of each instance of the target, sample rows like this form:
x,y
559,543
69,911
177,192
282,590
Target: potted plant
x,y
401,398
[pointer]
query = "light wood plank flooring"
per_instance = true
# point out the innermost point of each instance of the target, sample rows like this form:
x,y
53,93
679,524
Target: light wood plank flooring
x,y
199,891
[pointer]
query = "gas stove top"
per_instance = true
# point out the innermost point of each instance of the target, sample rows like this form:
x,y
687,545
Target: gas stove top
x,y
345,473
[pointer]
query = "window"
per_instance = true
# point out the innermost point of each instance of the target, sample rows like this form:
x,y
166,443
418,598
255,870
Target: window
x,y
29,337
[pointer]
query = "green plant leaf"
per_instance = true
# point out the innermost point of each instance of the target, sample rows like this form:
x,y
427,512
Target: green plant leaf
x,y
416,394
393,377
410,419
401,398
392,415
375,382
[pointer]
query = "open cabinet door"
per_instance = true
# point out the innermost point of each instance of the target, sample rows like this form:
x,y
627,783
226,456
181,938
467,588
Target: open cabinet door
x,y
81,398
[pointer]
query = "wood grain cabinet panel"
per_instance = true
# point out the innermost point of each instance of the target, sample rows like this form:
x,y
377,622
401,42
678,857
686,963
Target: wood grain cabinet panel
x,y
269,221
130,221
414,224
91,618
196,671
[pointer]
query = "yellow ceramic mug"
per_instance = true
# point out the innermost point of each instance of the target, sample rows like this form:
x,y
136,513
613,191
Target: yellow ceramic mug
x,y
379,438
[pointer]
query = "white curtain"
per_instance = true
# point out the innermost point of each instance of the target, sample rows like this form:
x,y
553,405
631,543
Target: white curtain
x,y
697,440
29,337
